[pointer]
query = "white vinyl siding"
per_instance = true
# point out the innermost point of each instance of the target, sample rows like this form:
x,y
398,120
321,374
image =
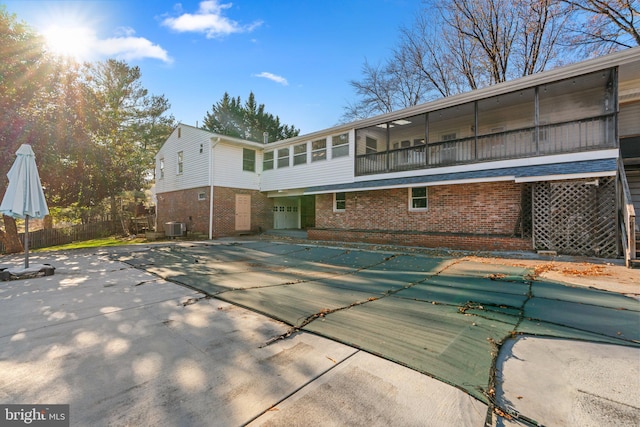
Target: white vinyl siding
x,y
328,171
227,167
195,164
628,122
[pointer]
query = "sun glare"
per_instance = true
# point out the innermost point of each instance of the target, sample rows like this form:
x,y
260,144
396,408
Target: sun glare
x,y
71,42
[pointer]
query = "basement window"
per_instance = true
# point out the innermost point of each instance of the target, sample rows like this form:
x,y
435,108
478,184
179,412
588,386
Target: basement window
x,y
418,200
339,202
202,195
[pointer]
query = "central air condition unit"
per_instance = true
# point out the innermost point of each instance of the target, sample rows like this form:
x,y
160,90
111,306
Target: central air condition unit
x,y
174,229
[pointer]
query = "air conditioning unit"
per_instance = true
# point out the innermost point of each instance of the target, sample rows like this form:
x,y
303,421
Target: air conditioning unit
x,y
174,229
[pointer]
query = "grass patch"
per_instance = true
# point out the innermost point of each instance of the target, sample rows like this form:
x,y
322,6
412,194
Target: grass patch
x,y
93,243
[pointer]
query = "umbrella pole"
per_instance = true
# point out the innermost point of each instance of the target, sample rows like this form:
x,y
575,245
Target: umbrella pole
x,y
26,241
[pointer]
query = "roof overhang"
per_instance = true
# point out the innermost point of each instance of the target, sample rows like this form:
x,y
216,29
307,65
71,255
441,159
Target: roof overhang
x,y
533,173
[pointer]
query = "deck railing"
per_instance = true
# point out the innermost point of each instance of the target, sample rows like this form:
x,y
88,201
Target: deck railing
x,y
627,217
581,135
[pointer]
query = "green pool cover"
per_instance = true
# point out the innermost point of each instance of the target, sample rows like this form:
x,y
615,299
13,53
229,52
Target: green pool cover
x,y
442,317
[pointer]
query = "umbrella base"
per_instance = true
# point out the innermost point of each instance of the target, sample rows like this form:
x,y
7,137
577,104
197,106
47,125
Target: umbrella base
x,y
34,270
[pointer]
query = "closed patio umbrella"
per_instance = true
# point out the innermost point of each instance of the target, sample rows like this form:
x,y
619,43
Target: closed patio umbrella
x,y
24,197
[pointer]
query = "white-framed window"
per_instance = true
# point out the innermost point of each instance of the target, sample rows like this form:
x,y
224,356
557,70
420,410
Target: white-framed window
x,y
418,199
319,150
180,168
283,158
202,195
340,145
162,168
248,160
339,202
300,154
267,161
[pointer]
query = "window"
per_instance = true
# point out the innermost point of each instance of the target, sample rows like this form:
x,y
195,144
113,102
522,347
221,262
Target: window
x,y
340,145
267,161
300,154
449,136
371,145
248,160
339,202
180,161
202,195
418,199
319,150
283,158
201,148
161,168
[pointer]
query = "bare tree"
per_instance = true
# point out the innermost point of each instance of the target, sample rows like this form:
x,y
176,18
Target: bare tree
x,y
603,26
375,91
544,26
490,25
460,45
430,47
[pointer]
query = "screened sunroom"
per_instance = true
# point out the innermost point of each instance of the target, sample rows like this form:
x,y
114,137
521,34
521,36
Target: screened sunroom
x,y
576,114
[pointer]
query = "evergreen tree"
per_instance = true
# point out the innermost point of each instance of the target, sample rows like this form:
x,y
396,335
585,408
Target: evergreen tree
x,y
249,121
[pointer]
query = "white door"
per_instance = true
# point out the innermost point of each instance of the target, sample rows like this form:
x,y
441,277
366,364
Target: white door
x,y
286,213
243,212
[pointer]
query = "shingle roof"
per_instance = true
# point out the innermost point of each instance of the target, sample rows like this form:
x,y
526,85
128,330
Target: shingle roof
x,y
599,166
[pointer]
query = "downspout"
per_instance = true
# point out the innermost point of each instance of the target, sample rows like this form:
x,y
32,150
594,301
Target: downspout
x,y
214,142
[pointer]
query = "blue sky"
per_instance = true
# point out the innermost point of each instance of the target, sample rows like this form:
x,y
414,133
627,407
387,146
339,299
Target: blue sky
x,y
297,56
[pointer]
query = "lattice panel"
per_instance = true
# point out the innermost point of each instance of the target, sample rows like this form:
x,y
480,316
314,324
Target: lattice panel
x,y
576,217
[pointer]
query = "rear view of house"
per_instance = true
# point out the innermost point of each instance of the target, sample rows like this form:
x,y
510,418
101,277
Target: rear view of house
x,y
531,164
211,184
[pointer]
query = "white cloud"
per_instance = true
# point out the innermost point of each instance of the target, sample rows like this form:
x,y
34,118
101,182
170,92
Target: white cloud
x,y
273,77
124,31
130,48
209,19
83,44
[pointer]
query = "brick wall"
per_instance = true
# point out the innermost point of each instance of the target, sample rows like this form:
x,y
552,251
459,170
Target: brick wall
x,y
469,216
184,206
224,208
